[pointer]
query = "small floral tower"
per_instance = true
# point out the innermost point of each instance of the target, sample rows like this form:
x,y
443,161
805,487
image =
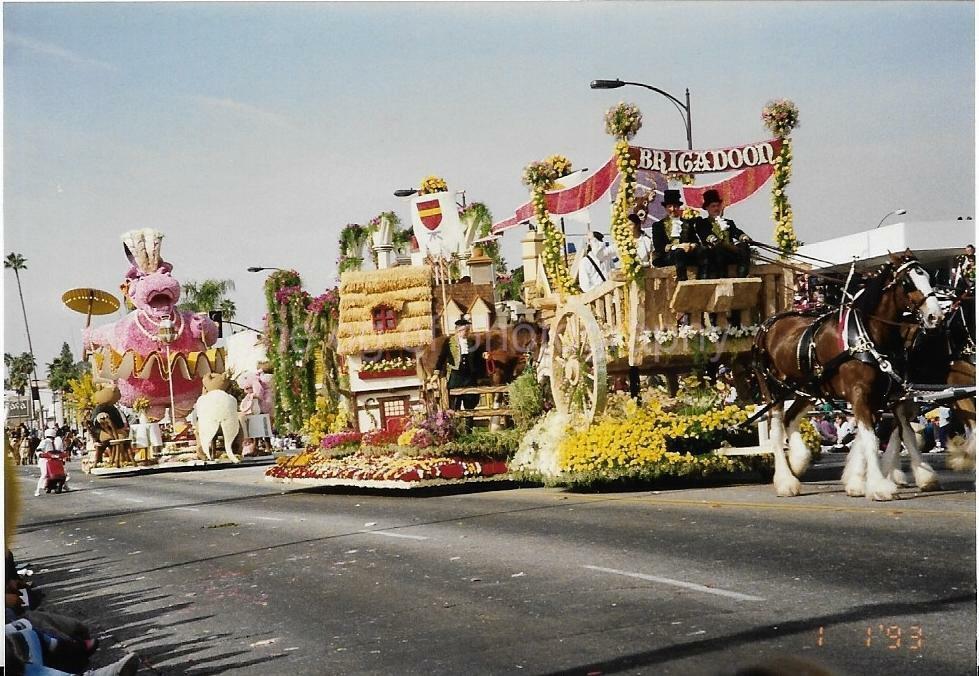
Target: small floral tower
x,y
385,321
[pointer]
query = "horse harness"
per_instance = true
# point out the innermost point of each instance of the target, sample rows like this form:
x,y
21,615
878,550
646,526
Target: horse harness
x,y
856,342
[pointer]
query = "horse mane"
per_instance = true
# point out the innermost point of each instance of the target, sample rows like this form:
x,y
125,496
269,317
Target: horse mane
x,y
869,297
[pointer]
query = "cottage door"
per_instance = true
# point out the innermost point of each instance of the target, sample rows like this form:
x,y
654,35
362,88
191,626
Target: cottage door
x,y
394,412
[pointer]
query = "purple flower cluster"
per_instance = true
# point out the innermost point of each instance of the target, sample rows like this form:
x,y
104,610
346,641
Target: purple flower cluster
x,y
329,300
440,425
286,293
340,439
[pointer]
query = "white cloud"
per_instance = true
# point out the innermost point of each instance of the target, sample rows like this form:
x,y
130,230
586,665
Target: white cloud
x,y
49,49
245,110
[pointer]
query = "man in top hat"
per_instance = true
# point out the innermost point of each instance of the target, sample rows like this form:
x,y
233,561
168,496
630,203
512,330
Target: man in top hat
x,y
725,243
673,241
462,358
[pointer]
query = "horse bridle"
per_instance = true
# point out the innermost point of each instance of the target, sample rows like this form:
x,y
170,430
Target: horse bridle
x,y
901,277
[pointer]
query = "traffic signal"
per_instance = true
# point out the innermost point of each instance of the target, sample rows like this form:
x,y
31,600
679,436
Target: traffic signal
x,y
217,317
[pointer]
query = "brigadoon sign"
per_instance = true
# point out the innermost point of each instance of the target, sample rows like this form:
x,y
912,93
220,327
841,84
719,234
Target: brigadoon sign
x,y
706,161
752,164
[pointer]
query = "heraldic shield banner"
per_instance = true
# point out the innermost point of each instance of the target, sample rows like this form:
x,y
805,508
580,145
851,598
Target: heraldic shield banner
x,y
435,223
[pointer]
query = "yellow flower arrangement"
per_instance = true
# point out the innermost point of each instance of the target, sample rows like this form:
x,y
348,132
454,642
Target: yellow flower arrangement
x,y
141,404
810,435
625,242
406,437
640,439
319,424
539,177
781,117
433,184
561,165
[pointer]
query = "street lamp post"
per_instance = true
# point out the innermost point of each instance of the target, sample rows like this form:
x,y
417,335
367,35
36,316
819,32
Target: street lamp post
x,y
896,212
682,107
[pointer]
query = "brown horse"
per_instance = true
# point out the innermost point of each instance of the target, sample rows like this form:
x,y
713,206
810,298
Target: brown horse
x,y
506,352
945,356
841,355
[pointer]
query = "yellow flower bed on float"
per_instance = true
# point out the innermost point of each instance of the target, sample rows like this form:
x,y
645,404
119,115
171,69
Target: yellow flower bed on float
x,y
651,440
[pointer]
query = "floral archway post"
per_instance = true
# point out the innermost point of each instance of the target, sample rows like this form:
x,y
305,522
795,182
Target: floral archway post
x,y
781,117
540,177
623,121
298,334
280,323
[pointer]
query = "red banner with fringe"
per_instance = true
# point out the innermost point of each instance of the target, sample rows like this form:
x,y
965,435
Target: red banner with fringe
x,y
753,163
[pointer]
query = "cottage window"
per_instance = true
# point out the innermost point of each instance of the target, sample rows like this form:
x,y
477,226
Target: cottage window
x,y
384,318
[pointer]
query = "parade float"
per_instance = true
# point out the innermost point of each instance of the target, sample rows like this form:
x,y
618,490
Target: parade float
x,y
151,364
377,425
614,390
571,419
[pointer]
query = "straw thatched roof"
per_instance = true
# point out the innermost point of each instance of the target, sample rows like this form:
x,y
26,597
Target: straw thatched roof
x,y
406,289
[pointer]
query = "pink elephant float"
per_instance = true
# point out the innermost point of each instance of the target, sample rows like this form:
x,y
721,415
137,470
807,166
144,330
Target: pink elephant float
x,y
133,350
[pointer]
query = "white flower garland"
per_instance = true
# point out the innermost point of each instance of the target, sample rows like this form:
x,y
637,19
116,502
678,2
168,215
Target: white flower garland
x,y
712,334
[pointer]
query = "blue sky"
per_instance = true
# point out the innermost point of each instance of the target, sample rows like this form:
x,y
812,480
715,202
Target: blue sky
x,y
250,133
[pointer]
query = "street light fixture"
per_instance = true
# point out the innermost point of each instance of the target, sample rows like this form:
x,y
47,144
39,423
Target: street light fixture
x,y
406,192
259,269
683,108
896,212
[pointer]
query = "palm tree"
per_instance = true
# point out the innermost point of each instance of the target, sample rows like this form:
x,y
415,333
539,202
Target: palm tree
x,y
208,295
19,369
16,262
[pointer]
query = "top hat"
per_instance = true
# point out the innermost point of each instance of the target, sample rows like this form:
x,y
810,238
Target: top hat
x,y
711,196
673,197
462,321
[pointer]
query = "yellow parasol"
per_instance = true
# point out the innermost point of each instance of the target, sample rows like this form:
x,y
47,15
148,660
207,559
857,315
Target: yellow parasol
x,y
90,302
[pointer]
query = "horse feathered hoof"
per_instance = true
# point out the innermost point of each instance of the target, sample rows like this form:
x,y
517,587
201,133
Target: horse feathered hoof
x,y
899,478
926,479
882,489
856,488
962,454
787,487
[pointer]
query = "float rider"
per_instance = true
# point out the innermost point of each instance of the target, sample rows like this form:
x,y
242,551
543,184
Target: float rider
x,y
672,241
462,360
725,243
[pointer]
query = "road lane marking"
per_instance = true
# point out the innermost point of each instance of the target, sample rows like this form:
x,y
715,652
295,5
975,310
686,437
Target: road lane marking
x,y
188,509
134,500
394,535
269,518
881,508
679,583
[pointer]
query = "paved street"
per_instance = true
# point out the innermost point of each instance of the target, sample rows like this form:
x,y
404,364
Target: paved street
x,y
223,572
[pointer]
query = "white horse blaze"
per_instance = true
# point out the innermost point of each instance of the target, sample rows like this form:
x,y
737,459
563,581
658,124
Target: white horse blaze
x,y
931,311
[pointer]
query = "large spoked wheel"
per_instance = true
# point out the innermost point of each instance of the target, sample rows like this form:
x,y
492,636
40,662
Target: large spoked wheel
x,y
579,376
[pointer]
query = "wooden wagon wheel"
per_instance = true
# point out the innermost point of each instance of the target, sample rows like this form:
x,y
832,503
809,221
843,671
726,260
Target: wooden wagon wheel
x,y
579,376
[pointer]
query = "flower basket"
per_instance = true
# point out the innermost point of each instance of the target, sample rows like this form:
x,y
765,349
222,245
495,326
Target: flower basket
x,y
393,373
